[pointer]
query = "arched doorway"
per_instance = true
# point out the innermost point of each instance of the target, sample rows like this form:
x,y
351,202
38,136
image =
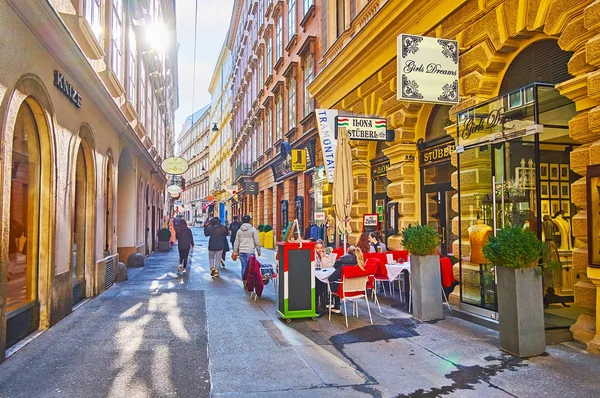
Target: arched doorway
x,y
126,206
83,221
23,305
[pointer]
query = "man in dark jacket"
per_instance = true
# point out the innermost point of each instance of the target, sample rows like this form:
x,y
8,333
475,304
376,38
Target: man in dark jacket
x,y
185,242
216,243
233,229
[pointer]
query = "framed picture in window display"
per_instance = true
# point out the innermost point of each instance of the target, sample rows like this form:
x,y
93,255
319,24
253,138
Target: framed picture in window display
x,y
554,171
565,206
545,190
545,207
565,190
564,172
555,206
593,199
554,190
544,171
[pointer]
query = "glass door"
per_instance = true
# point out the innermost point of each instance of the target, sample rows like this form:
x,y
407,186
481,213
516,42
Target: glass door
x,y
438,214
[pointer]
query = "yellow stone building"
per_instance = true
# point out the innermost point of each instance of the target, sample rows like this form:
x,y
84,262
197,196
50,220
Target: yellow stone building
x,y
505,47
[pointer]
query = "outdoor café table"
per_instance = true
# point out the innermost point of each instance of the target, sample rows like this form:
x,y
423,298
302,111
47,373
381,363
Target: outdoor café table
x,y
394,271
322,275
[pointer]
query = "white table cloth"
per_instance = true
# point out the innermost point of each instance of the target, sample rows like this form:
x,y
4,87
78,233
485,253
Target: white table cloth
x,y
323,274
394,270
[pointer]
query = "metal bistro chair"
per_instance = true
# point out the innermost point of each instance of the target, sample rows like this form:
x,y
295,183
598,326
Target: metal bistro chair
x,y
353,285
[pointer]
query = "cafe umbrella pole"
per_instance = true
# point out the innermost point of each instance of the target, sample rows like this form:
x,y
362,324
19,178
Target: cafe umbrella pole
x,y
343,184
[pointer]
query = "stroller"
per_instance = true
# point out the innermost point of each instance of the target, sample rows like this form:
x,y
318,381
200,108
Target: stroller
x,y
268,273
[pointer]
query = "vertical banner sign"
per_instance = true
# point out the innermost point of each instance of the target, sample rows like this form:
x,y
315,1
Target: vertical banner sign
x,y
326,127
298,159
427,69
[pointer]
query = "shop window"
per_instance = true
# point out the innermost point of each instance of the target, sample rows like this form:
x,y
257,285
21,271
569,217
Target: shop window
x,y
24,212
92,10
307,5
131,75
279,117
279,38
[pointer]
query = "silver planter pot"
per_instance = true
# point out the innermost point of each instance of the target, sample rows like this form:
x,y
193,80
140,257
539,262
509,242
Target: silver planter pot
x,y
426,287
521,311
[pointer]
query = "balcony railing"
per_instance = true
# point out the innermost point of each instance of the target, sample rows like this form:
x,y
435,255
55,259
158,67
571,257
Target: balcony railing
x,y
242,170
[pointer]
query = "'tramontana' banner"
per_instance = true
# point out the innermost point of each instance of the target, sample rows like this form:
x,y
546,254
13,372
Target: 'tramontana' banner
x,y
326,127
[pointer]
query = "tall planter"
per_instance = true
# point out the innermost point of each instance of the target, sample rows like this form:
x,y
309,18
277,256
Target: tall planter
x,y
269,243
521,311
426,287
261,238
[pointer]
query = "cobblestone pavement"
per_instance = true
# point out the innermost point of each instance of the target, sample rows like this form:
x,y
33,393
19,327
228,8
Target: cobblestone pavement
x,y
162,334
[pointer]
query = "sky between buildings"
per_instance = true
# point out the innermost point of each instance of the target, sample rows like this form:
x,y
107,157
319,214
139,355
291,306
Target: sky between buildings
x,y
213,22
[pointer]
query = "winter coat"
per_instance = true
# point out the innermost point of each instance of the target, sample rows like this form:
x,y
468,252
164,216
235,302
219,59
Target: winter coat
x,y
246,240
348,259
185,239
233,228
253,277
216,234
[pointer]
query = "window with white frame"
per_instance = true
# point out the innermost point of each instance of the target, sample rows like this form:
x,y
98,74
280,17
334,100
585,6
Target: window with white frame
x,y
259,137
269,128
131,76
269,55
279,117
117,38
307,5
142,97
292,103
279,38
291,19
92,10
260,72
309,104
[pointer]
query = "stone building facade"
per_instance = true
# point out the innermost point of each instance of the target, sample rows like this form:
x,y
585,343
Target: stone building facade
x,y
87,100
275,52
505,47
192,145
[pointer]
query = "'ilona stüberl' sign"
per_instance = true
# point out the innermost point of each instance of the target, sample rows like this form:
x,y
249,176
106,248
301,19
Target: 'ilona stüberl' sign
x,y
427,69
365,128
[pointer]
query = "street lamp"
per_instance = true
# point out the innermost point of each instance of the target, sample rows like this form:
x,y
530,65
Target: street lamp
x,y
215,128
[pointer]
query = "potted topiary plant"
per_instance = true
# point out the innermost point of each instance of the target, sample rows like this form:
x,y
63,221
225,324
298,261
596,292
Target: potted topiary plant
x,y
261,234
515,253
269,242
164,237
422,242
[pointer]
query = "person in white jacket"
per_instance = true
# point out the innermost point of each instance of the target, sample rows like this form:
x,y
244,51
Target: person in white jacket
x,y
246,243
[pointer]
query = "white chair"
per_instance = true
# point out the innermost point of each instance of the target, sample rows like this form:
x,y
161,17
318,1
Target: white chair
x,y
351,289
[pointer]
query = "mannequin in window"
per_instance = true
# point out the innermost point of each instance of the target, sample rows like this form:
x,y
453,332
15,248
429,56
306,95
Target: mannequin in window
x,y
551,261
564,228
478,236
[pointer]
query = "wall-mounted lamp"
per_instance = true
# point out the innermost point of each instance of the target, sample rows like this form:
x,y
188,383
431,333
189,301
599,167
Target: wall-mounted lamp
x,y
215,128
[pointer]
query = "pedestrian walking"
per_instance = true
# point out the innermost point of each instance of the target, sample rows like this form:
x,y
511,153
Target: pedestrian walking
x,y
233,229
185,242
217,234
173,233
246,243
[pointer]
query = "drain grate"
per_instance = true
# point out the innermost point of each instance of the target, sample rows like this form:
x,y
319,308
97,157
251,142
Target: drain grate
x,y
110,273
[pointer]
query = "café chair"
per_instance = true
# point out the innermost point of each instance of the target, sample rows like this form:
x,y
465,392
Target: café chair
x,y
353,286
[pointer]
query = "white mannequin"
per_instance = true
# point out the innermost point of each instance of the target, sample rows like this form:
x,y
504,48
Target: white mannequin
x,y
565,231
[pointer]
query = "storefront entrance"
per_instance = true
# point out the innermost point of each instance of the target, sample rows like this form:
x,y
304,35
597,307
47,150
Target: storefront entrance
x,y
514,170
379,185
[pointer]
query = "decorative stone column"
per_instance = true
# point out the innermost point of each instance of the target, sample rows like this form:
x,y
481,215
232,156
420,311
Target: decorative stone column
x,y
402,188
360,173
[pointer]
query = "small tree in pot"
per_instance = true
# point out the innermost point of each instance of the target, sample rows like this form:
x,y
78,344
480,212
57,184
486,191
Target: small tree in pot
x,y
516,253
422,242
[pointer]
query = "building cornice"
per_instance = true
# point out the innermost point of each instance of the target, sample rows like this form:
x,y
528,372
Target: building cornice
x,y
374,45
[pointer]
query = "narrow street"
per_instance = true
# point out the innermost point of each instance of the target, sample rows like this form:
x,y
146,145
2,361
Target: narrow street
x,y
160,334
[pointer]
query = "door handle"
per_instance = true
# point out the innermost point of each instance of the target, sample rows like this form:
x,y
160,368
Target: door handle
x,y
443,234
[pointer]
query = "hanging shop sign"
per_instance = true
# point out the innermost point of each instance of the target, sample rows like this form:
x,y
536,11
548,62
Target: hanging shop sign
x,y
326,127
283,167
67,89
437,154
174,189
299,159
320,216
370,222
252,188
427,69
174,165
365,128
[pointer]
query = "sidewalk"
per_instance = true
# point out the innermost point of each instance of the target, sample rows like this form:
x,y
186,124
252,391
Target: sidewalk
x,y
150,336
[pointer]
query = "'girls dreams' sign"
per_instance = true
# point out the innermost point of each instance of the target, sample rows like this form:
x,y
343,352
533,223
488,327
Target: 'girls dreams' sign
x,y
427,69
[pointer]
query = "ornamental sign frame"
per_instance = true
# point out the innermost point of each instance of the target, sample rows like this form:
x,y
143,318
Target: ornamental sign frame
x,y
427,69
365,128
175,165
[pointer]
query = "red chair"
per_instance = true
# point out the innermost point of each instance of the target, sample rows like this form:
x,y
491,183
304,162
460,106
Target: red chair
x,y
372,266
353,285
339,251
382,275
400,255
